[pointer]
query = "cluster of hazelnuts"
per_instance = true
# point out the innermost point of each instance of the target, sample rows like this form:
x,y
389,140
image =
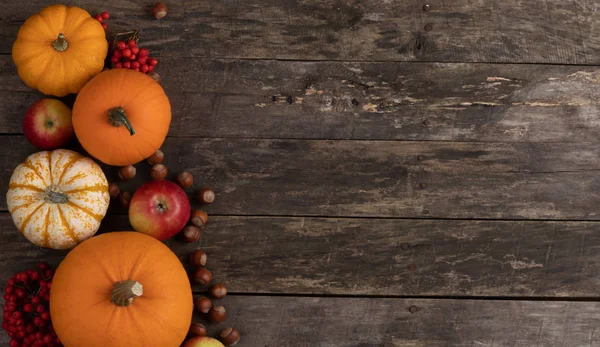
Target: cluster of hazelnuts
x,y
203,305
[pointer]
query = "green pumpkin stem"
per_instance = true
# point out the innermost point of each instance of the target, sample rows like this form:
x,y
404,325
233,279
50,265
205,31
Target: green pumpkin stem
x,y
60,44
117,117
125,292
53,196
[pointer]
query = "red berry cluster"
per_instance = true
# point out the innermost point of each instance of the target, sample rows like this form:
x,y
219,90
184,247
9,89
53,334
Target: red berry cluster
x,y
101,17
26,314
129,56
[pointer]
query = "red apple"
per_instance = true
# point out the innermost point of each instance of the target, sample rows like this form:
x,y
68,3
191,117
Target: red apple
x,y
202,341
160,209
47,124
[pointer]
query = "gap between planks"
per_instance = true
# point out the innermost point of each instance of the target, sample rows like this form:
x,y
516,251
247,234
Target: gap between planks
x,y
227,58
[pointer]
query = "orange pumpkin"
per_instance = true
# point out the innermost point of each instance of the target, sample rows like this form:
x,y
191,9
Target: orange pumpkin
x,y
121,117
121,289
59,49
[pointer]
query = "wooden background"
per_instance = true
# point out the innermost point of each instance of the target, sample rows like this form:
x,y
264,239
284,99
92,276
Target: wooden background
x,y
388,173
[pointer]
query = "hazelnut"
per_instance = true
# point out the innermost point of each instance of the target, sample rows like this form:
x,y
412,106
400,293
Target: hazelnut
x,y
206,195
218,291
159,10
203,304
202,276
127,172
198,258
156,158
113,190
155,76
217,314
229,336
185,179
191,233
198,218
124,199
197,329
159,172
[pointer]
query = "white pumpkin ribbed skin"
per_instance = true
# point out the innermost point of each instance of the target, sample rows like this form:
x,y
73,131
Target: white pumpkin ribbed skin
x,y
58,225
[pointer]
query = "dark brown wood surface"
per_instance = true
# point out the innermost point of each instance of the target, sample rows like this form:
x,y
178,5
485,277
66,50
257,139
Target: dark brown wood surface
x,y
379,178
383,178
552,31
317,256
369,322
370,101
375,257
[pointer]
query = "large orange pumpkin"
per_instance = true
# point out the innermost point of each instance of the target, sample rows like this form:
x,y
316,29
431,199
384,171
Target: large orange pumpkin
x,y
121,117
59,49
121,289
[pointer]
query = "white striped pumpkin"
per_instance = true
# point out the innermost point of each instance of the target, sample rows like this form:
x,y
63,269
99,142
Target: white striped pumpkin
x,y
57,199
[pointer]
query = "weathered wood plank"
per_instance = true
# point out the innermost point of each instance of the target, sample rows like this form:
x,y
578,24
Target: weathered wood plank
x,y
379,178
340,322
374,256
556,31
359,322
376,101
384,101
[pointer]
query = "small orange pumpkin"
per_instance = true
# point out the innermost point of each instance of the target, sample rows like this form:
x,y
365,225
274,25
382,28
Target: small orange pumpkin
x,y
121,289
121,117
59,49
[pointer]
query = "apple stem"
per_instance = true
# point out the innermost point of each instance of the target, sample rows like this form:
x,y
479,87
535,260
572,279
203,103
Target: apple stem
x,y
117,117
125,292
60,44
53,196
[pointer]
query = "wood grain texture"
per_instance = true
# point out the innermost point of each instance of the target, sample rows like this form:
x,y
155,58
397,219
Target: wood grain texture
x,y
357,322
372,101
383,322
555,31
378,178
374,257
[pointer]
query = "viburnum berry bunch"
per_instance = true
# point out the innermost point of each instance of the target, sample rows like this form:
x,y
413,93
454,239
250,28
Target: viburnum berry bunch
x,y
101,17
26,309
128,55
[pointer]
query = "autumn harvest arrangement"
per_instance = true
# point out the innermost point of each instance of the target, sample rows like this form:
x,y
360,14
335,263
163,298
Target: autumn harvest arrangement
x,y
119,288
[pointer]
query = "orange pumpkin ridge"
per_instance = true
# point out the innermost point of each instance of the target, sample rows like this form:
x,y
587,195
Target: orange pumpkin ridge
x,y
121,117
69,230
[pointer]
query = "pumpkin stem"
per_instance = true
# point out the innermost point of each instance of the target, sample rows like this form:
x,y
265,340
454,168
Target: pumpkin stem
x,y
60,44
53,196
125,292
117,117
